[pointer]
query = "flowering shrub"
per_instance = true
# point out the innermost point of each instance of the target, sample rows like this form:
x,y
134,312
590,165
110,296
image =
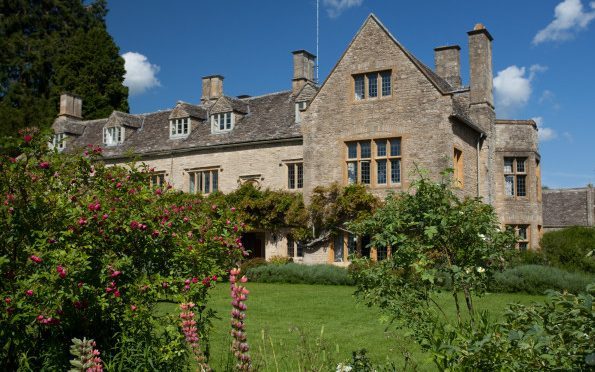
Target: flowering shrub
x,y
89,250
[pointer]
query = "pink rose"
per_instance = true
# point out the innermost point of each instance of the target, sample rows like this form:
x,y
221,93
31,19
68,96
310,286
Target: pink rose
x,y
29,292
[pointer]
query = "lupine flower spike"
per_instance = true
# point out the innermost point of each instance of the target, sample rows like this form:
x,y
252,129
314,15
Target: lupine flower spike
x,y
239,295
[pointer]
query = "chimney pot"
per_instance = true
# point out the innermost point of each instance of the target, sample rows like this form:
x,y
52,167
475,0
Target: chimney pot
x,y
71,106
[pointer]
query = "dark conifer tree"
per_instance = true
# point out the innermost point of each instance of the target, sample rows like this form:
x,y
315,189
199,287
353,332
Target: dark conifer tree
x,y
52,46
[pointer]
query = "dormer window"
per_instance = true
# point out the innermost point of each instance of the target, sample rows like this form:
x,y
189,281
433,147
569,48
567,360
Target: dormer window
x,y
113,136
58,141
179,127
299,107
222,122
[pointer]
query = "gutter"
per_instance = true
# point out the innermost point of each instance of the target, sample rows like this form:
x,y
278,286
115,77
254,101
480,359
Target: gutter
x,y
194,149
479,139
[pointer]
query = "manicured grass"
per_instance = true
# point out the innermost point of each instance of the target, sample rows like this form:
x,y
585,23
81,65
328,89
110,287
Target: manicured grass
x,y
290,318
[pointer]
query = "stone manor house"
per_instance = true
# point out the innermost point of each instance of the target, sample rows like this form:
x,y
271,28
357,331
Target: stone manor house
x,y
379,113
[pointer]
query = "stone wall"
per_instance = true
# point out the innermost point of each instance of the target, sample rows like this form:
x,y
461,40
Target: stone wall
x,y
263,163
518,139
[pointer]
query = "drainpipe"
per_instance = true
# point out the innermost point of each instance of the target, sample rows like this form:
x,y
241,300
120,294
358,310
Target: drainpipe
x,y
481,136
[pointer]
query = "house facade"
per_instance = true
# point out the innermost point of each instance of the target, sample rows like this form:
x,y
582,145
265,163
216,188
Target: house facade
x,y
380,114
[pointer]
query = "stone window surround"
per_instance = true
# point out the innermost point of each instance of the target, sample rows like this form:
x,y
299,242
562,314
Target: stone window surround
x,y
58,141
524,242
221,118
295,163
193,172
158,179
108,139
373,160
179,124
378,72
516,174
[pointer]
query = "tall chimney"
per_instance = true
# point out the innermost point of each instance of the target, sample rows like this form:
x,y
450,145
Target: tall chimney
x,y
303,69
447,60
480,61
481,106
212,88
71,106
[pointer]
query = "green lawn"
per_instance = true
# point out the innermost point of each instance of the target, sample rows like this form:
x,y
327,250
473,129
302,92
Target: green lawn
x,y
285,323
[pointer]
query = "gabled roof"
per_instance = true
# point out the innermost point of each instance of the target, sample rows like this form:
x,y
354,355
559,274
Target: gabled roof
x,y
226,104
271,118
442,85
184,110
122,119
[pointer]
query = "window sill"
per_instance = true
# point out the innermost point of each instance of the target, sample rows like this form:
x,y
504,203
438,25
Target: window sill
x,y
179,136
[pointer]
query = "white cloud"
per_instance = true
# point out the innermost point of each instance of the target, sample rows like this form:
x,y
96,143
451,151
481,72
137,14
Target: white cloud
x,y
547,96
512,87
569,18
545,134
334,8
140,73
568,136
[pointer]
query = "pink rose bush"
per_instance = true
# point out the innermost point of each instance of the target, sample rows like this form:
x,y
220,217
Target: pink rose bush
x,y
89,251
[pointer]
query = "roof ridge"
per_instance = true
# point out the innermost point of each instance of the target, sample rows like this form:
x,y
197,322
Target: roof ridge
x,y
264,95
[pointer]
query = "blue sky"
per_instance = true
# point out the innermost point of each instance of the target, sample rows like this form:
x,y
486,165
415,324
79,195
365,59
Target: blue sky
x,y
543,55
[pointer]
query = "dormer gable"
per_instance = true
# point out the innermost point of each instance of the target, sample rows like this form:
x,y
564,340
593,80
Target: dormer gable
x,y
225,112
122,119
303,98
182,117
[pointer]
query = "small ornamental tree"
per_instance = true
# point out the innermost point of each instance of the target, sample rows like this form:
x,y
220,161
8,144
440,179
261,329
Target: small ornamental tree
x,y
431,233
89,251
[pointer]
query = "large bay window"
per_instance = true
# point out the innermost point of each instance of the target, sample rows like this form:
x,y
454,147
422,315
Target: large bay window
x,y
515,176
522,234
374,162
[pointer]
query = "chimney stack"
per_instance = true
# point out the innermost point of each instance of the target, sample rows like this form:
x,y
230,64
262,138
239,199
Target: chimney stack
x,y
303,69
212,88
447,60
480,63
71,106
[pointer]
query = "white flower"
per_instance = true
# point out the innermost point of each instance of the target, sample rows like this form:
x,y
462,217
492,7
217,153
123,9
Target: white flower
x,y
483,237
481,270
343,368
468,270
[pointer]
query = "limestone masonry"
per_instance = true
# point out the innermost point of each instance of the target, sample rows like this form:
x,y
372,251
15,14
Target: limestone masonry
x,y
379,114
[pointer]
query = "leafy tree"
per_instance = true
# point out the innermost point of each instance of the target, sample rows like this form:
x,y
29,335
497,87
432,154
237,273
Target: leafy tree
x,y
431,233
49,47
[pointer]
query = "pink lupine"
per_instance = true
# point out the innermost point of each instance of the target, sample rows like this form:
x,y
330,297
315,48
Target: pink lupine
x,y
190,330
239,346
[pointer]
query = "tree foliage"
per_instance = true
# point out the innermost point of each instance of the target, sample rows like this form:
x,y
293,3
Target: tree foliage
x,y
572,248
89,251
49,47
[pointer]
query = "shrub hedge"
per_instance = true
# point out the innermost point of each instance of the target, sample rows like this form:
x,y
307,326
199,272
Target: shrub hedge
x,y
570,248
536,279
300,274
